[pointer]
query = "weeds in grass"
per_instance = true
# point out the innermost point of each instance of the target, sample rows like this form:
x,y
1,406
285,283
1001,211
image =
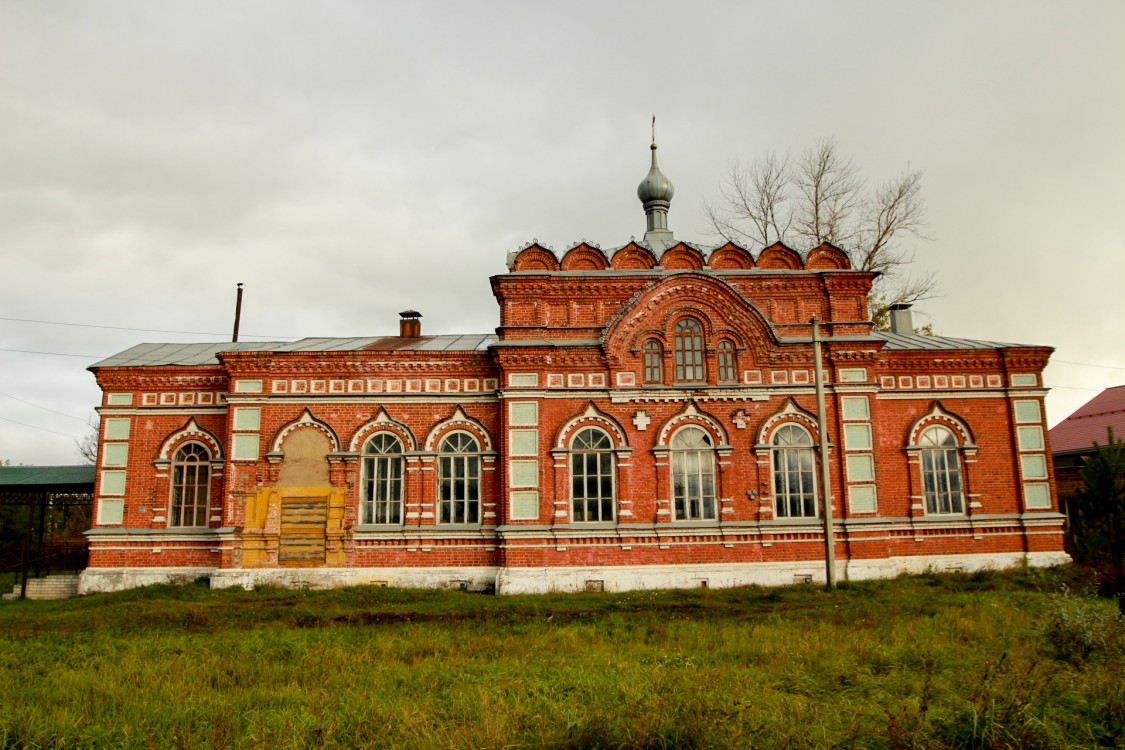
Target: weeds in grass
x,y
1078,627
934,661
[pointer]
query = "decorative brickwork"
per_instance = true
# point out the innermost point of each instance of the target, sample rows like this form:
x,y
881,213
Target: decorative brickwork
x,y
590,338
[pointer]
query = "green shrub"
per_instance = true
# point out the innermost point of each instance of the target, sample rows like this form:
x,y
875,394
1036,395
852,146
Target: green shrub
x,y
1078,627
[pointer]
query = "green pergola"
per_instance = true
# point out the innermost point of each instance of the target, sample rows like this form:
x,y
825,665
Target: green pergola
x,y
44,511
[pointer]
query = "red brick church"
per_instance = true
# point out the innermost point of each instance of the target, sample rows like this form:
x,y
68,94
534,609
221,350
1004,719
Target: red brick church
x,y
644,416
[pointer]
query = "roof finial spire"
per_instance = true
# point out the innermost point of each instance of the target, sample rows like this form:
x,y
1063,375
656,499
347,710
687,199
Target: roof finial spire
x,y
655,192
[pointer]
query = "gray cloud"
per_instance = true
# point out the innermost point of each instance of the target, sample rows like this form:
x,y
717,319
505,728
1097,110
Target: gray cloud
x,y
348,160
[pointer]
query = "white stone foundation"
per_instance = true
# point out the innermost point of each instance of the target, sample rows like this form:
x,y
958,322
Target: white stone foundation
x,y
97,580
468,579
641,577
562,579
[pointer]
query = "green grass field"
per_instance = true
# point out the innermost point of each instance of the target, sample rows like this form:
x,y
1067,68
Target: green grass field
x,y
986,660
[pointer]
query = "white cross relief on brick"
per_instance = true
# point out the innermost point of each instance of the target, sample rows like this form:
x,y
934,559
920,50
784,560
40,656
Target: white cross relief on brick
x,y
641,420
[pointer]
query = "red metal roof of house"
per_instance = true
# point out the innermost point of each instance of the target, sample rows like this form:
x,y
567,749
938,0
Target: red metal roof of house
x,y
1078,432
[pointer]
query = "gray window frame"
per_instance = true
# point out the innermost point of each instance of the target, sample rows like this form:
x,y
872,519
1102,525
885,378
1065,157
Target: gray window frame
x,y
459,479
592,467
725,356
943,483
384,479
653,352
689,351
694,478
793,466
190,475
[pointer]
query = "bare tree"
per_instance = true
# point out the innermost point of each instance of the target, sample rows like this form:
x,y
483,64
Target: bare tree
x,y
756,208
87,446
820,197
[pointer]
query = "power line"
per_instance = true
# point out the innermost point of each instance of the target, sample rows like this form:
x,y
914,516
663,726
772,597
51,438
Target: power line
x,y
146,330
41,429
1086,364
44,408
54,354
1072,387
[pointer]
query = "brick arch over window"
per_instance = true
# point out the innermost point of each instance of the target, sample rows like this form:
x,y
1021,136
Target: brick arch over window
x,y
383,423
591,416
191,432
189,500
691,415
633,256
305,420
781,256
938,415
458,421
789,413
712,301
682,256
584,258
941,450
731,256
829,256
535,258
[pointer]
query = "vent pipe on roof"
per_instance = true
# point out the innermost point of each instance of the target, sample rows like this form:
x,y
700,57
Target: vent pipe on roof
x,y
410,324
902,320
237,313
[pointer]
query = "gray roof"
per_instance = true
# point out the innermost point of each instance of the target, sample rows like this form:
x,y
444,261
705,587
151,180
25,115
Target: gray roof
x,y
153,355
71,477
898,341
143,355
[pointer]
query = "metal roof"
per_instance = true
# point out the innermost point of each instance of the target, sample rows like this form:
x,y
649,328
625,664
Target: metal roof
x,y
73,477
1078,432
901,341
153,355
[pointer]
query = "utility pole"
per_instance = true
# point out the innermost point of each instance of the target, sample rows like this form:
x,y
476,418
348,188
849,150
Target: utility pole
x,y
237,313
825,486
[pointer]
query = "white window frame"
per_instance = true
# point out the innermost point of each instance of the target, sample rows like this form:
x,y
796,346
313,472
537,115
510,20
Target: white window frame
x,y
786,477
190,470
459,479
117,428
247,418
605,467
940,464
855,408
694,476
383,481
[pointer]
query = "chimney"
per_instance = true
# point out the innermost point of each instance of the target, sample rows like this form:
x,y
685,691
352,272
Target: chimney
x,y
902,321
410,324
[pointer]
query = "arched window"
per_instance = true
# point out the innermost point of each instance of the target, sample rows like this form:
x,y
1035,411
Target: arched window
x,y
591,476
726,362
689,351
941,470
191,486
654,362
693,475
794,473
382,480
459,479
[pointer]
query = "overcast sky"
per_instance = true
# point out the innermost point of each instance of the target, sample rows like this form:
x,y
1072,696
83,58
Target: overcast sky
x,y
347,160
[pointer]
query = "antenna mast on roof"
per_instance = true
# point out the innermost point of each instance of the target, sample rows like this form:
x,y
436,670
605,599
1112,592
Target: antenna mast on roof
x,y
237,313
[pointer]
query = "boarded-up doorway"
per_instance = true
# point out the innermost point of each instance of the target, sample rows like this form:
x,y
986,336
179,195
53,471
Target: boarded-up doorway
x,y
303,526
299,522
